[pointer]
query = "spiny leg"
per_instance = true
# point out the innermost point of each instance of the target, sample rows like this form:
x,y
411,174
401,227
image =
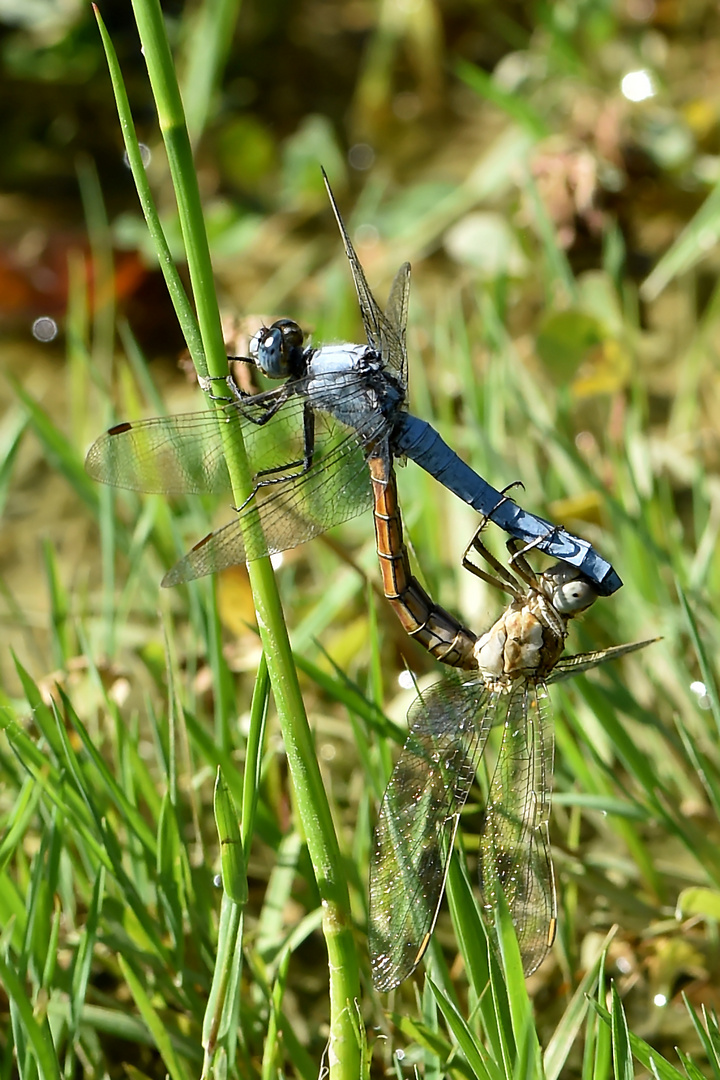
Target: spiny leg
x,y
206,382
519,563
507,583
517,553
303,464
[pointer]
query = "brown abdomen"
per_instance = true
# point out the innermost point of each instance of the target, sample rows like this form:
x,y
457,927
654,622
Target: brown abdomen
x,y
436,629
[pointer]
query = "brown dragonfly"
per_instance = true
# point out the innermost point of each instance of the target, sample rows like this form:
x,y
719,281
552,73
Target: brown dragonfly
x,y
507,670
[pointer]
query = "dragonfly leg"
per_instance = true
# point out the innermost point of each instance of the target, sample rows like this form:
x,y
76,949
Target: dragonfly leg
x,y
244,399
508,584
518,561
504,491
303,464
489,516
485,519
239,395
517,555
206,382
502,579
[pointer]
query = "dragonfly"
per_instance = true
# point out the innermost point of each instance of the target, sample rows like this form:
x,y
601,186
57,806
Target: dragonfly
x,y
307,442
506,682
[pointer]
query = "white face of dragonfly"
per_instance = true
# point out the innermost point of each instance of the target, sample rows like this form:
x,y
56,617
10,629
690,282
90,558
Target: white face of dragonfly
x,y
567,589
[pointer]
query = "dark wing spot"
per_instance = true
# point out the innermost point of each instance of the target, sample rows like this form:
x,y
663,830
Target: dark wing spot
x,y
203,542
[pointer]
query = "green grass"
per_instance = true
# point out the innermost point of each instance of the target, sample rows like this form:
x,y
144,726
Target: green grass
x,y
124,774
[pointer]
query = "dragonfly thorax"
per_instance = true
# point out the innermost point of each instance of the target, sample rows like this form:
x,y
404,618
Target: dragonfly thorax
x,y
277,350
350,382
528,638
525,643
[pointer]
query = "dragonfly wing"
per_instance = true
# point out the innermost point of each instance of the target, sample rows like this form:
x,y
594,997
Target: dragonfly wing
x,y
185,454
515,849
418,819
581,662
170,454
394,324
285,514
385,336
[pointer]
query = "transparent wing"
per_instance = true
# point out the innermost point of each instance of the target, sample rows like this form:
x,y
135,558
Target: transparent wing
x,y
418,819
574,665
515,848
394,351
385,333
180,454
185,454
286,514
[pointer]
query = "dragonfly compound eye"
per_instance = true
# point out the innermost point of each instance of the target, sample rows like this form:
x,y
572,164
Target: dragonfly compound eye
x,y
272,348
573,596
291,332
569,590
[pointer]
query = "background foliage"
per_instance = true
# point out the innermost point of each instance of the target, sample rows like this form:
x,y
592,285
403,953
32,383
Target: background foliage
x,y
563,330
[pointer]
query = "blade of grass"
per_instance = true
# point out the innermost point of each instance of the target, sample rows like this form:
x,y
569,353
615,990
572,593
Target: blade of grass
x,y
622,1054
183,309
207,39
154,1022
645,1054
473,945
84,956
568,1030
271,1063
471,1048
693,244
597,1051
701,653
234,872
311,800
705,1039
38,1034
61,454
513,104
223,1000
11,433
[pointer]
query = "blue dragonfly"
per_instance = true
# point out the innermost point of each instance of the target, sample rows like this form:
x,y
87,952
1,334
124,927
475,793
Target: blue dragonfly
x,y
308,444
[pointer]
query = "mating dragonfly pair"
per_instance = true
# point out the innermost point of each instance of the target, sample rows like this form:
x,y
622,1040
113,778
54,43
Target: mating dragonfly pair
x,y
321,449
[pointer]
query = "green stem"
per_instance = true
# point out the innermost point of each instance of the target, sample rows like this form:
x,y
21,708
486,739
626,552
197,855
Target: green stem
x,y
183,309
343,1051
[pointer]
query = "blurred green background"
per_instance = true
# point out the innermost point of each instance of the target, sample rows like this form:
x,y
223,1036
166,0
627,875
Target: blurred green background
x,y
551,171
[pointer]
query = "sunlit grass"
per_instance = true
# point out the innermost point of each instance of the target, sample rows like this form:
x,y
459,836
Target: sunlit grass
x,y
634,821
112,921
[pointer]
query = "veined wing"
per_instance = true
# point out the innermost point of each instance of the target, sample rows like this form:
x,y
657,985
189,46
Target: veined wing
x,y
386,335
418,819
394,325
286,514
515,848
575,665
185,454
180,454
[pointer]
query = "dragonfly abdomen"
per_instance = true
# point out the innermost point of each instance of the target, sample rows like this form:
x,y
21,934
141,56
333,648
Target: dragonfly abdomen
x,y
436,629
420,441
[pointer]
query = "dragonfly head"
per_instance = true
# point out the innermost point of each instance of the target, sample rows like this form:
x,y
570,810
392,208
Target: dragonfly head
x,y
275,349
568,590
